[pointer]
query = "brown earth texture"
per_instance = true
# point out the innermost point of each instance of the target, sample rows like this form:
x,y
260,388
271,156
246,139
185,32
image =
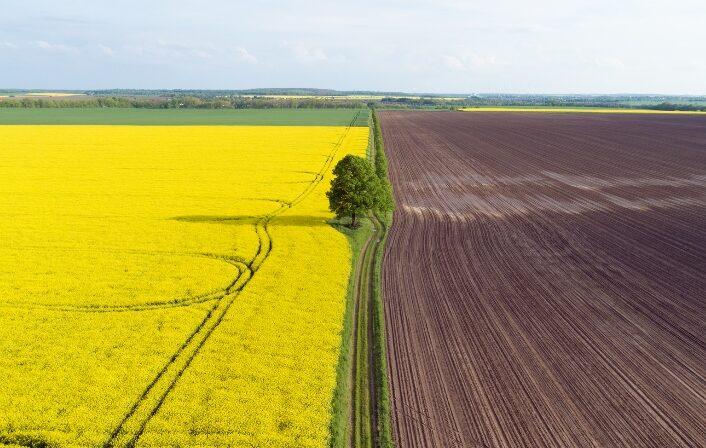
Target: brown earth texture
x,y
545,279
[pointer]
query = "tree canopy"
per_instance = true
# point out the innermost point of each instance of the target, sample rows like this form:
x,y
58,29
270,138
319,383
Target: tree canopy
x,y
356,189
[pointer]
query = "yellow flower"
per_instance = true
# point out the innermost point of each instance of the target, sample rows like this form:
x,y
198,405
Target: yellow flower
x,y
121,242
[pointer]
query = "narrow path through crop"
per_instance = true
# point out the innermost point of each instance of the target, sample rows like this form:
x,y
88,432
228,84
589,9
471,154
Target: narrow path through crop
x,y
151,305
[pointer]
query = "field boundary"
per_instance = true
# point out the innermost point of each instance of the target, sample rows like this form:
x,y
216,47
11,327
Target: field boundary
x,y
364,376
342,402
370,403
342,423
379,356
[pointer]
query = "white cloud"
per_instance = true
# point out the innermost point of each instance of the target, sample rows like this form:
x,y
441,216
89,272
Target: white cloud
x,y
6,44
163,50
168,50
453,62
697,64
203,54
609,62
306,53
51,47
178,49
43,45
244,55
470,62
106,50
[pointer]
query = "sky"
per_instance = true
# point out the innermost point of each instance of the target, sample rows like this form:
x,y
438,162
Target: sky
x,y
431,46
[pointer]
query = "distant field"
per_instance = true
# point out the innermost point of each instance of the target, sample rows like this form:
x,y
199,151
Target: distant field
x,y
119,116
354,97
54,94
319,97
594,110
4,94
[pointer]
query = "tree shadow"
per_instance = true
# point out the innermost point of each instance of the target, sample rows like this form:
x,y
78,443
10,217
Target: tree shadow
x,y
343,225
26,440
215,219
280,220
299,221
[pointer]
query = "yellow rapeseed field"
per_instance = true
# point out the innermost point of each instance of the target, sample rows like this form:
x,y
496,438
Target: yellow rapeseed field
x,y
169,285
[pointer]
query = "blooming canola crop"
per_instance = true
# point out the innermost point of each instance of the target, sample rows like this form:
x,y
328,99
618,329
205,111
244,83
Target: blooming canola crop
x,y
170,285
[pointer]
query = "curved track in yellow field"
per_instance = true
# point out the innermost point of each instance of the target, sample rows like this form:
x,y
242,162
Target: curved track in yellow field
x,y
128,431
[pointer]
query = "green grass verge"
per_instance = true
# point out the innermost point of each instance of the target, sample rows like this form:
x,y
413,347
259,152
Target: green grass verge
x,y
341,404
382,383
340,430
346,385
131,116
380,347
363,401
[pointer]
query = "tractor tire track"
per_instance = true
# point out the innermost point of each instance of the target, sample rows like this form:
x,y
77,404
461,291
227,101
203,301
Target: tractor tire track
x,y
363,403
134,422
146,306
131,427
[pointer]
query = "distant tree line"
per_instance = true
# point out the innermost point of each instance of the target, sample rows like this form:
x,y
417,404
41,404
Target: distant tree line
x,y
418,103
653,102
79,102
288,91
316,99
185,102
673,106
685,104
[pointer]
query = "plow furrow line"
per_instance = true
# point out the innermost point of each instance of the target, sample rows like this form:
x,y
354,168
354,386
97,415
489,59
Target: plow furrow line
x,y
538,289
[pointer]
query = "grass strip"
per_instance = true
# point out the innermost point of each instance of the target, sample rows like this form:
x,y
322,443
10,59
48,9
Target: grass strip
x,y
382,383
341,404
363,355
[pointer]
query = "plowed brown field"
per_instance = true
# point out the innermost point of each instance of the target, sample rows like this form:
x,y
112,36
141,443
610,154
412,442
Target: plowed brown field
x,y
545,279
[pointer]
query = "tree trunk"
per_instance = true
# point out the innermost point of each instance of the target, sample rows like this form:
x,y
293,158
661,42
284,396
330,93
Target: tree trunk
x,y
353,220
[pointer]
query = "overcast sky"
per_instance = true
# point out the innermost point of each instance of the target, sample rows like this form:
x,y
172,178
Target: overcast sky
x,y
509,46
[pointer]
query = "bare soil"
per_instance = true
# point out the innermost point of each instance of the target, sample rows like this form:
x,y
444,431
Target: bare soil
x,y
545,279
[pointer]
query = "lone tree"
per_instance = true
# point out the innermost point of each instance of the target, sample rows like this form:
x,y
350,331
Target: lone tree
x,y
356,189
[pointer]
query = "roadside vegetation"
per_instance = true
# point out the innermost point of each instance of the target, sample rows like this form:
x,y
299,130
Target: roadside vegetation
x,y
343,398
361,404
356,190
384,424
